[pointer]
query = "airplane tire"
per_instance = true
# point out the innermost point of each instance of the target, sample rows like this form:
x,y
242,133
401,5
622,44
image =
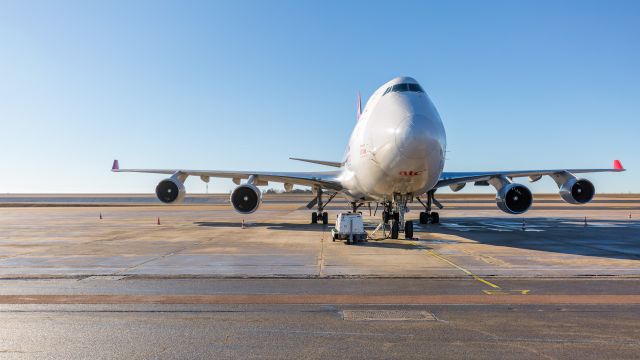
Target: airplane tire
x,y
395,229
435,218
314,218
424,218
325,218
408,229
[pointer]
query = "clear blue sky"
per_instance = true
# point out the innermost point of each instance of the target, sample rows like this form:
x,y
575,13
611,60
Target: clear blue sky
x,y
242,85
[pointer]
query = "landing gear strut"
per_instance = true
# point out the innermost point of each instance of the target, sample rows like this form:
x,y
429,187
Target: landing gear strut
x,y
356,205
429,217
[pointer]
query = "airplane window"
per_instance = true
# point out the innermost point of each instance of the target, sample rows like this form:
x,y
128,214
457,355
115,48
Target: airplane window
x,y
403,88
415,87
400,88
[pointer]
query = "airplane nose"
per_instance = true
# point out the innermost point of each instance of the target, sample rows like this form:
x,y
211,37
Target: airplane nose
x,y
414,138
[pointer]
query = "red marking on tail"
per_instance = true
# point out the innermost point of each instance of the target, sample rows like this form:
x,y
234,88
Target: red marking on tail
x,y
617,165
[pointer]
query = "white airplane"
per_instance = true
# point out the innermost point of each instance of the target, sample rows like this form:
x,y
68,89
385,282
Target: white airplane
x,y
396,153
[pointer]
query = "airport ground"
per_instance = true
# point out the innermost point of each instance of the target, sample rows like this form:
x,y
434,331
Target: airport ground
x,y
482,284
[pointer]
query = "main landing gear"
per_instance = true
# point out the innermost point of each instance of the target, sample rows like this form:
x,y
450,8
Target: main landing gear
x,y
321,215
429,217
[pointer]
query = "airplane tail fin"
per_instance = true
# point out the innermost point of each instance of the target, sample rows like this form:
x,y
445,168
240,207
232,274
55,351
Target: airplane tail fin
x,y
359,111
321,162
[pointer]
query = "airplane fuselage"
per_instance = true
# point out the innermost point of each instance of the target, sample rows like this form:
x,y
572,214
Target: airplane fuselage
x,y
398,145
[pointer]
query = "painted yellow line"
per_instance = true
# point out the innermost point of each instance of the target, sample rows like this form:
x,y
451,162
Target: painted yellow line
x,y
506,292
476,277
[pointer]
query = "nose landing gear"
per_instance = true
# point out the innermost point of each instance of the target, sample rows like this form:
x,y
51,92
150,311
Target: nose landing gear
x,y
395,230
394,213
408,229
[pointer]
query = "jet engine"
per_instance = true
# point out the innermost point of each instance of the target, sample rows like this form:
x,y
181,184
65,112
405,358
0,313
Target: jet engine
x,y
514,198
170,191
246,198
577,191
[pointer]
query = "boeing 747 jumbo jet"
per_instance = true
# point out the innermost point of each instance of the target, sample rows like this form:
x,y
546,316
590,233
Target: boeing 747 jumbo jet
x,y
395,156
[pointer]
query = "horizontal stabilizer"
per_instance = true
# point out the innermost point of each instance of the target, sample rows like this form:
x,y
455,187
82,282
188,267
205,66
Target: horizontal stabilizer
x,y
321,162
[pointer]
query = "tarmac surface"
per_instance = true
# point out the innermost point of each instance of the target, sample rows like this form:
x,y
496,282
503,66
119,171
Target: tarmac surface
x,y
482,284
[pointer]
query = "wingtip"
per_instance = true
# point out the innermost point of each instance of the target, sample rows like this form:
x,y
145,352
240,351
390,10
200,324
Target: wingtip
x,y
617,165
115,166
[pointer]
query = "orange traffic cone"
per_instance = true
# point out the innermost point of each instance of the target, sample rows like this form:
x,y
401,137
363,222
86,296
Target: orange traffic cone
x,y
158,220
243,223
100,216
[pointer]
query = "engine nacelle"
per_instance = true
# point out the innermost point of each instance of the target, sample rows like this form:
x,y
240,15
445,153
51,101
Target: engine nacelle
x,y
577,191
246,198
514,198
170,191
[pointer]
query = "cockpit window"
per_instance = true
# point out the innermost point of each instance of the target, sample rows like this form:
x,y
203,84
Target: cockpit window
x,y
415,87
400,88
403,88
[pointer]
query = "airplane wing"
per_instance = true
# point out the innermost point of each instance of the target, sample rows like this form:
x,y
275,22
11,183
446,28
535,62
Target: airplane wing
x,y
456,180
327,179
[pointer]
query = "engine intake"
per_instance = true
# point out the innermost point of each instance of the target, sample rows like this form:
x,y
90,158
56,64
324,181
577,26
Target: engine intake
x,y
577,191
246,198
514,199
170,191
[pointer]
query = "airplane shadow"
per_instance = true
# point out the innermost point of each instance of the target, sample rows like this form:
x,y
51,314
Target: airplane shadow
x,y
268,225
388,244
617,239
600,238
